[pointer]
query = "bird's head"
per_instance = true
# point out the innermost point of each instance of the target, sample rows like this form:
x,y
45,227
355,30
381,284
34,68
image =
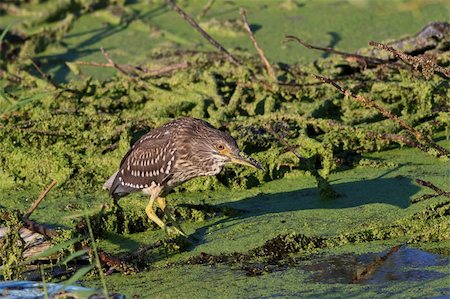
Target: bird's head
x,y
224,148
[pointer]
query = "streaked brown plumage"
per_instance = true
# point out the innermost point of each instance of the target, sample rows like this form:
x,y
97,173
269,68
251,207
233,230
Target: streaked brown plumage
x,y
171,155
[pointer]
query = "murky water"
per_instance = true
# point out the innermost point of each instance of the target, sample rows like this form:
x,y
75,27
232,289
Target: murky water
x,y
404,264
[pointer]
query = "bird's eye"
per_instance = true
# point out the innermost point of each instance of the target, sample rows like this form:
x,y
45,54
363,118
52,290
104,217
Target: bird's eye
x,y
220,147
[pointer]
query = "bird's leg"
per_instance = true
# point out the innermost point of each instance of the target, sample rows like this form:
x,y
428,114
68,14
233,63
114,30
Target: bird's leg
x,y
168,213
152,215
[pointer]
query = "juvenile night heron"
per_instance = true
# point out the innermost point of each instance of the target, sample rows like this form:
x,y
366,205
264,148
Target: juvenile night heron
x,y
170,155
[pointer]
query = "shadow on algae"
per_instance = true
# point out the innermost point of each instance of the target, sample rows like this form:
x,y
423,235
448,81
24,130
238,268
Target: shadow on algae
x,y
392,191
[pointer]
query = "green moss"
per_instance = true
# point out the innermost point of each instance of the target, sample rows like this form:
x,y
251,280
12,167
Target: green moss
x,y
11,246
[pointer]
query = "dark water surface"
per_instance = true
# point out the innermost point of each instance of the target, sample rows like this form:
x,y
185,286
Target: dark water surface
x,y
405,264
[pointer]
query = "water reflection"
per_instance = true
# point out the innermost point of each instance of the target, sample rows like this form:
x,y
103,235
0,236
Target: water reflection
x,y
403,264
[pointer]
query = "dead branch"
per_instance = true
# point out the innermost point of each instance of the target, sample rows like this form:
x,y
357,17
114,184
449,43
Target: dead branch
x,y
113,262
144,72
267,65
43,75
39,199
197,27
143,249
373,60
399,139
10,77
118,67
93,63
371,104
433,187
206,8
40,228
427,65
372,267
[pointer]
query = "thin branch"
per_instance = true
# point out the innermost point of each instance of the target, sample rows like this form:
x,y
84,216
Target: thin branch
x,y
143,249
206,8
197,27
433,187
428,66
145,73
269,68
399,139
43,75
372,267
39,199
117,66
93,63
371,104
112,261
331,50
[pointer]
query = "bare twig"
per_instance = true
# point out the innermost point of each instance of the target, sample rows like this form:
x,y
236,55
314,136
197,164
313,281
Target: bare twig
x,y
371,104
117,66
433,187
197,27
372,267
43,75
143,249
269,68
206,8
428,66
143,72
126,68
399,139
112,261
93,63
373,60
10,77
325,189
39,199
40,228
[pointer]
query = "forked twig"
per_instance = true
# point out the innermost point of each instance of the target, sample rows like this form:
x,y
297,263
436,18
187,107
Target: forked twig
x,y
371,104
206,8
428,66
117,66
197,27
374,60
267,65
439,191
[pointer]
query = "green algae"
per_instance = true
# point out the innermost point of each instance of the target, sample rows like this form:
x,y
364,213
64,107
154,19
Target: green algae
x,y
12,246
78,133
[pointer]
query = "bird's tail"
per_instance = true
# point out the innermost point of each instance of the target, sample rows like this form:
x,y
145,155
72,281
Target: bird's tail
x,y
107,185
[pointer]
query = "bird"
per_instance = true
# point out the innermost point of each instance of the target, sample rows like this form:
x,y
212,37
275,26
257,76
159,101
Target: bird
x,y
168,156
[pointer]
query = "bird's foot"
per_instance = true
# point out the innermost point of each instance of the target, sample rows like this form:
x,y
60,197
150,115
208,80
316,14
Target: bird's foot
x,y
174,230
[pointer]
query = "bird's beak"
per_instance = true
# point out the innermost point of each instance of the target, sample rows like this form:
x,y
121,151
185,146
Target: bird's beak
x,y
248,161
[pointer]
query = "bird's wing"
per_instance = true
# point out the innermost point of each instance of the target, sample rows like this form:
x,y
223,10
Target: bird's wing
x,y
148,163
